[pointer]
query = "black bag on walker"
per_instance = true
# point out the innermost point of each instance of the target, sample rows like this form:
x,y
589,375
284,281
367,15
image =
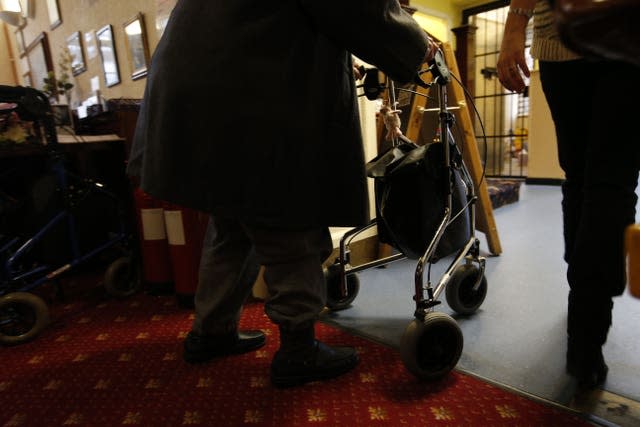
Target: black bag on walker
x,y
410,184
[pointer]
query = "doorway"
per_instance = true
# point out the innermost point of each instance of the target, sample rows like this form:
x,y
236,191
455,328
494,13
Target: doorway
x,y
504,114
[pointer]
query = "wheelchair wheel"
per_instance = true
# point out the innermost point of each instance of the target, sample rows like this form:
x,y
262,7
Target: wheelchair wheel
x,y
460,295
430,349
22,316
335,301
122,278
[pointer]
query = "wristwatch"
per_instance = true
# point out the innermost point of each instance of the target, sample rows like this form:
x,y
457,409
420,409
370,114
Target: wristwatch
x,y
521,11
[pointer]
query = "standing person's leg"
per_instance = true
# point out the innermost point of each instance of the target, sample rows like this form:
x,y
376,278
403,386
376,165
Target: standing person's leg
x,y
597,267
600,158
297,294
564,89
228,269
565,86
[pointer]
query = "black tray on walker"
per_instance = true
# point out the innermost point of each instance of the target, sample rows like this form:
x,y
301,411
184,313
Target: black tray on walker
x,y
73,219
425,207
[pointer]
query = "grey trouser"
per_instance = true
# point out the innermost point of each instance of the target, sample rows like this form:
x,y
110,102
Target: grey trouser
x,y
231,256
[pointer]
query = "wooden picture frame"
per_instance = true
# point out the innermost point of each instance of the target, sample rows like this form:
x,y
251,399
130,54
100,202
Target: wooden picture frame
x,y
20,42
107,49
28,8
26,79
54,14
74,44
137,46
38,56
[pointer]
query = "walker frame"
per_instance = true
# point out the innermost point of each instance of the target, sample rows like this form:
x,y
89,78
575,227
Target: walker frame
x,y
432,343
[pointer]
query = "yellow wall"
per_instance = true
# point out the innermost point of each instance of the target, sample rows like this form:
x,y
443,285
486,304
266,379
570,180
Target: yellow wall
x,y
438,8
7,56
450,8
543,152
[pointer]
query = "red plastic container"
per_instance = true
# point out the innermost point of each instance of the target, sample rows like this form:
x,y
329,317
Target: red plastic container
x,y
156,265
185,232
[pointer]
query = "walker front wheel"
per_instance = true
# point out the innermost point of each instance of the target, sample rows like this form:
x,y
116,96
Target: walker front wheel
x,y
22,316
430,349
460,293
335,301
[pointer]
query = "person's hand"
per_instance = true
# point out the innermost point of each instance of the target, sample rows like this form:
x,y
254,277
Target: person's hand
x,y
358,69
432,49
511,62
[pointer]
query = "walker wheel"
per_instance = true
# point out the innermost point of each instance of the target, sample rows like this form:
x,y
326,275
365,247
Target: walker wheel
x,y
335,301
122,278
430,349
460,295
22,316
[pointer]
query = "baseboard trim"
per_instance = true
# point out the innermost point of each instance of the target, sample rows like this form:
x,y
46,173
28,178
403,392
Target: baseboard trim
x,y
604,405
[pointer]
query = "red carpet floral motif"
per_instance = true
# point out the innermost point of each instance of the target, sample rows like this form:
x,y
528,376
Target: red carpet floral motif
x,y
113,363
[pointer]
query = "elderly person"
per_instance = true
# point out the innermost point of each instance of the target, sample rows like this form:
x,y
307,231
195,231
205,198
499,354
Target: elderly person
x,y
250,114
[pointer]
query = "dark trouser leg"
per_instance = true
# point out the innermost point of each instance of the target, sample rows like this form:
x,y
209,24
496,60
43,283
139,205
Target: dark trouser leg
x,y
297,295
593,107
228,269
293,274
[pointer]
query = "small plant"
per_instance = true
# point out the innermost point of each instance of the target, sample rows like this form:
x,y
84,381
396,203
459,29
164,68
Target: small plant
x,y
62,85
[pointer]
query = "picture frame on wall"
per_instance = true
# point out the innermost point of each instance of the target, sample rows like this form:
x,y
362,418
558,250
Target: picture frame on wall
x,y
54,14
28,8
38,56
137,46
20,41
26,79
107,49
74,44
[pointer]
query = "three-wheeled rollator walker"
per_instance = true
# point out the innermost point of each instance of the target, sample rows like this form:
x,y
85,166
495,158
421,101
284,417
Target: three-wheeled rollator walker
x,y
46,233
425,208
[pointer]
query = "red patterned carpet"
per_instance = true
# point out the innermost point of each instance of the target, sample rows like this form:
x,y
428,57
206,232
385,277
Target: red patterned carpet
x,y
110,363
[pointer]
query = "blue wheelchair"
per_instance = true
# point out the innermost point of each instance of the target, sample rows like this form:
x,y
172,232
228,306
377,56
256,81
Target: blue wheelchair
x,y
37,251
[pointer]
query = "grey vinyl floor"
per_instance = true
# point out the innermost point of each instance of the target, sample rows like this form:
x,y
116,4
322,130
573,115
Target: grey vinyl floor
x,y
517,337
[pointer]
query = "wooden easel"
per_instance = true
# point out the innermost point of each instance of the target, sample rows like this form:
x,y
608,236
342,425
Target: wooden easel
x,y
485,221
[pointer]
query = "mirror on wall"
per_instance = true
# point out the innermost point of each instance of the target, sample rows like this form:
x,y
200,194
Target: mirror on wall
x,y
137,46
74,44
39,59
107,48
54,14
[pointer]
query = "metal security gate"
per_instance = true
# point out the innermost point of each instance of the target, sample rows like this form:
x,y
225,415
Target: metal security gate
x,y
505,114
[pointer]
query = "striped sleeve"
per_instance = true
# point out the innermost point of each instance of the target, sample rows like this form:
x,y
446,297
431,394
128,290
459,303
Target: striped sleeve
x,y
546,44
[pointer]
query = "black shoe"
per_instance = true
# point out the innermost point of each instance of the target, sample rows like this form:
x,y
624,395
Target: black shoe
x,y
320,362
587,366
201,348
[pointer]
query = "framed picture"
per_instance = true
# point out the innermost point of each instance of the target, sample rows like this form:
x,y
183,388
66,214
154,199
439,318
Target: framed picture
x,y
90,44
26,79
107,48
28,9
137,46
20,41
39,59
54,14
74,43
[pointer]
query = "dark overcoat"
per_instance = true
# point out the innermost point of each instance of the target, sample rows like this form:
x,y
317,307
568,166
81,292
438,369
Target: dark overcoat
x,y
250,108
